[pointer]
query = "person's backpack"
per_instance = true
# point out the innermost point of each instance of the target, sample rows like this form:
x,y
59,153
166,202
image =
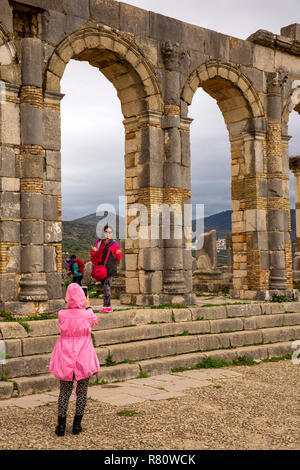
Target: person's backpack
x,y
99,272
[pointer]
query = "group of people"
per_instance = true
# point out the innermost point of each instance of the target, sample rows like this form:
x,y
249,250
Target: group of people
x,y
74,357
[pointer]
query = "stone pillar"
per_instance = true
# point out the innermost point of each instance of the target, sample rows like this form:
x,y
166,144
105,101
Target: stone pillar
x,y
33,286
177,182
294,165
278,206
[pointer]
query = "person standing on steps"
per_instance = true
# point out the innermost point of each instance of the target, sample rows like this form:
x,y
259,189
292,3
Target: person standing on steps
x,y
74,356
76,267
98,256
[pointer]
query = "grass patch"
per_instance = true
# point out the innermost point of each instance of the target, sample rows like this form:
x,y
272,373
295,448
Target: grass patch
x,y
153,323
184,333
128,361
276,359
128,326
281,298
109,361
143,374
127,413
93,339
210,363
200,318
216,386
173,317
169,305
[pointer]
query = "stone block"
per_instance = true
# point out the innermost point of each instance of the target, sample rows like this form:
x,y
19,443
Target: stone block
x,y
173,145
223,325
31,125
6,388
172,175
243,310
38,345
53,168
32,166
150,259
10,123
32,260
7,162
105,11
22,366
13,348
32,206
150,175
10,205
291,307
50,207
264,58
32,385
132,285
7,287
185,149
134,20
14,263
291,31
51,129
31,61
279,335
151,283
208,313
9,231
243,338
277,220
32,232
151,145
211,342
119,372
56,26
52,187
216,45
257,78
54,285
12,330
240,52
53,232
50,259
163,30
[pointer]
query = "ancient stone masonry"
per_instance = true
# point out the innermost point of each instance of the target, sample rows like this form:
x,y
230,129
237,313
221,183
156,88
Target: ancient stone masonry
x,y
156,65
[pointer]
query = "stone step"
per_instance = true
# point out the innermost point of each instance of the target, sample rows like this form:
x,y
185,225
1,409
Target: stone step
x,y
44,382
41,344
148,349
160,347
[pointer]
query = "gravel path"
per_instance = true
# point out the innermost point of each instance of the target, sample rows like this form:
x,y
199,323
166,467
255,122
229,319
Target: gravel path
x,y
258,410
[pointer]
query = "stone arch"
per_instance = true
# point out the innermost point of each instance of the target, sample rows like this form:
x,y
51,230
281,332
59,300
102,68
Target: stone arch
x,y
244,116
119,59
233,91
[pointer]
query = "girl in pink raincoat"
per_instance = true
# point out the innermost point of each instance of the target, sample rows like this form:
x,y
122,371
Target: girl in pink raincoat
x,y
74,356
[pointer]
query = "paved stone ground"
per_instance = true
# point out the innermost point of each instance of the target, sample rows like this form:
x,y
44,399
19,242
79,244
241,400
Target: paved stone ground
x,y
247,407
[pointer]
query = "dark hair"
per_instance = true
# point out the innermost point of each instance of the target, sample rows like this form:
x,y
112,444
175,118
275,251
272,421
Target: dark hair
x,y
73,257
106,227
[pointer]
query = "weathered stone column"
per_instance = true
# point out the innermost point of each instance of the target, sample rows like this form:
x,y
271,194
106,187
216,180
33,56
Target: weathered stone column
x,y
174,282
33,279
295,167
278,206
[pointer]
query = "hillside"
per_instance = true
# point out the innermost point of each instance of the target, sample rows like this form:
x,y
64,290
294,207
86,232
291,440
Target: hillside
x,y
79,234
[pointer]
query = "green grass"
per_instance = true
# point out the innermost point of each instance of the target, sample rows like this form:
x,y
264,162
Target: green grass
x,y
184,333
127,413
210,363
281,298
276,359
169,305
143,374
153,323
128,361
109,361
93,339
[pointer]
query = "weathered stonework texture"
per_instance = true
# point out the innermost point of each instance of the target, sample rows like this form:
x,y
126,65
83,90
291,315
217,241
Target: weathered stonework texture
x,y
156,65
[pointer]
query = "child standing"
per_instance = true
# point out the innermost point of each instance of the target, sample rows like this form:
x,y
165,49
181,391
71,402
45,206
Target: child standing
x,y
74,356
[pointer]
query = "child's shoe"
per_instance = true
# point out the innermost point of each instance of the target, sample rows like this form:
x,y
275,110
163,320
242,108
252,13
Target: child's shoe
x,y
104,309
77,424
109,309
61,426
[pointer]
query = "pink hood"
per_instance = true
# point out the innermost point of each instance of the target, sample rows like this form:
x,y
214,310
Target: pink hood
x,y
75,296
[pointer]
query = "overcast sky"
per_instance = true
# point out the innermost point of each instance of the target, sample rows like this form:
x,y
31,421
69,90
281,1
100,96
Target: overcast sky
x,y
92,131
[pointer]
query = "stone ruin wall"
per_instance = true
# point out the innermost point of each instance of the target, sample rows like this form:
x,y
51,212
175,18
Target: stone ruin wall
x,y
156,64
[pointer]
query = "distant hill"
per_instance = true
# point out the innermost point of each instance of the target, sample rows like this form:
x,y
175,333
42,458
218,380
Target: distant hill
x,y
79,234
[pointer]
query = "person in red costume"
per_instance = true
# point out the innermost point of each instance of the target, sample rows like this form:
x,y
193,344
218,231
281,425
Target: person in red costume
x,y
98,255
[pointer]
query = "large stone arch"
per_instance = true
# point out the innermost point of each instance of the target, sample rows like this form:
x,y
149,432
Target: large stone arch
x,y
138,89
119,59
244,116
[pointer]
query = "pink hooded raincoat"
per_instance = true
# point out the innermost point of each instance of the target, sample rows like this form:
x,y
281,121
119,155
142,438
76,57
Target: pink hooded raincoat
x,y
74,351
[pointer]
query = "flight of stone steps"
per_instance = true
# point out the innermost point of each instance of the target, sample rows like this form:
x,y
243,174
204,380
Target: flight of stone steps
x,y
131,341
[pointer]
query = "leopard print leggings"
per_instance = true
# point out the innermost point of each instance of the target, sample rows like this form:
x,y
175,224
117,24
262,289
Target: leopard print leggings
x,y
106,285
65,393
